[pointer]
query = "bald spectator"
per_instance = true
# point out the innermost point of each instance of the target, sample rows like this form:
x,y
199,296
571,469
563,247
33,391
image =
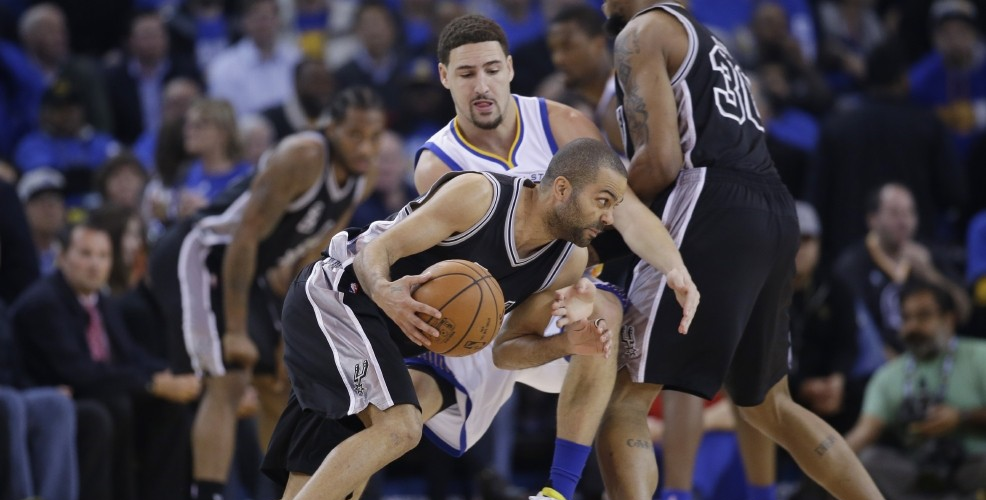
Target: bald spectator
x,y
876,267
45,37
136,83
255,74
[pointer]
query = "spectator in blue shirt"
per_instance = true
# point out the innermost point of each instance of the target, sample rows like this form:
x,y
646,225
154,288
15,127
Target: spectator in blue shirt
x,y
212,138
952,79
66,142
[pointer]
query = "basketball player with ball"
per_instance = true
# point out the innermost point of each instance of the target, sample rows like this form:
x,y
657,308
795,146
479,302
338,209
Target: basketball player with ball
x,y
350,319
496,131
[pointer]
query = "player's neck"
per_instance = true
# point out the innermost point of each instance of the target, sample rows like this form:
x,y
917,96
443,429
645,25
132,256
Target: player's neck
x,y
498,140
531,232
340,174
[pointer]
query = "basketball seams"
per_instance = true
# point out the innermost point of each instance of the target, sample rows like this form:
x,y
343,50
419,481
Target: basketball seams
x,y
475,313
465,325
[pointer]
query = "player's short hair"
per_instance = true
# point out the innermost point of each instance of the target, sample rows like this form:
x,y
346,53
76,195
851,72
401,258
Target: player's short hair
x,y
468,29
580,162
589,20
358,97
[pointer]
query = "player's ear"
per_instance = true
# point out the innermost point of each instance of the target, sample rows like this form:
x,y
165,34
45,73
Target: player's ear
x,y
443,75
561,188
510,67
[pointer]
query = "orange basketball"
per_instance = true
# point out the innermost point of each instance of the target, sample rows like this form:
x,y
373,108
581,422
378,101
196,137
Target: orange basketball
x,y
471,303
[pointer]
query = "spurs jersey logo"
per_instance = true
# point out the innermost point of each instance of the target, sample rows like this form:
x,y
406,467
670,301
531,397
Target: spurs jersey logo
x,y
732,94
358,375
308,223
629,341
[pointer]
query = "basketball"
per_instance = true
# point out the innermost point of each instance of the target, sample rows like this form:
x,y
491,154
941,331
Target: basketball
x,y
471,303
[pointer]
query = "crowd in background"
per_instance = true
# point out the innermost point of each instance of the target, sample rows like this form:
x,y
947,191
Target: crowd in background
x,y
129,115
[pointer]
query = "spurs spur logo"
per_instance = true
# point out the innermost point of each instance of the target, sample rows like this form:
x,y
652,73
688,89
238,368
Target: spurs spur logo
x,y
629,341
358,374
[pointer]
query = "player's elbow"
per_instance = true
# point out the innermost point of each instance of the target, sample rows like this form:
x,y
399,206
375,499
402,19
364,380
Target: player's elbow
x,y
652,170
502,357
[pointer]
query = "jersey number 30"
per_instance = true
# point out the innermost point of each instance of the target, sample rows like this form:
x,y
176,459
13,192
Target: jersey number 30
x,y
732,93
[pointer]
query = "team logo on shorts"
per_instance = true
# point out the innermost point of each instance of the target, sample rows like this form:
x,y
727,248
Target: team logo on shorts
x,y
358,375
629,341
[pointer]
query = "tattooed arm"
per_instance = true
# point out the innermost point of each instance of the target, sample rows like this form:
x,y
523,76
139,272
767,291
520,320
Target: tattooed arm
x,y
644,51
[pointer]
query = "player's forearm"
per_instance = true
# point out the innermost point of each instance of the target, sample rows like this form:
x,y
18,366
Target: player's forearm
x,y
527,351
239,271
647,236
372,268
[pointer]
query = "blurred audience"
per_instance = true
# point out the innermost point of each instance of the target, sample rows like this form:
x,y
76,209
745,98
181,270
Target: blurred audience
x,y
850,29
42,192
69,334
44,37
952,79
65,141
255,73
121,181
305,106
583,60
885,138
877,266
829,371
930,403
257,135
176,97
378,60
136,83
394,186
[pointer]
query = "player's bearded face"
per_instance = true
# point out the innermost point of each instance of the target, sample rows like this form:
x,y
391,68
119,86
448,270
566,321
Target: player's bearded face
x,y
572,223
356,140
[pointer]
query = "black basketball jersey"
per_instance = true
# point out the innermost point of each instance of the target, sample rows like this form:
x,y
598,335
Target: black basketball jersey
x,y
307,218
490,243
718,121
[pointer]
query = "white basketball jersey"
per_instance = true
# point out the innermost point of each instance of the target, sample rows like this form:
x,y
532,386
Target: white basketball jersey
x,y
532,149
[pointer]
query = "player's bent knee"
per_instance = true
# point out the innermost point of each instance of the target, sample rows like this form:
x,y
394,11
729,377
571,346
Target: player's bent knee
x,y
609,307
403,425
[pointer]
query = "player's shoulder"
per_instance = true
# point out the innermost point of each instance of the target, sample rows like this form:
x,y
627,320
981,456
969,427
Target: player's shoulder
x,y
649,29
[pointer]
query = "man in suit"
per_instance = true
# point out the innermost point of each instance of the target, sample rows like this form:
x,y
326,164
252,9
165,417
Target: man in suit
x,y
70,335
135,85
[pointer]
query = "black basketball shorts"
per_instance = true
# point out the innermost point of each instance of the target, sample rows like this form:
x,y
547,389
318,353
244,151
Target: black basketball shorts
x,y
738,234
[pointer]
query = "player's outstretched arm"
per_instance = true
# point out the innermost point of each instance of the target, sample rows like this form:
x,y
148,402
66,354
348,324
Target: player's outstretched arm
x,y
453,208
521,342
649,108
292,168
649,239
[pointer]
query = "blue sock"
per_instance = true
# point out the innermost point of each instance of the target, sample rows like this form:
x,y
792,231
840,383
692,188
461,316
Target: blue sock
x,y
761,492
676,495
567,465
